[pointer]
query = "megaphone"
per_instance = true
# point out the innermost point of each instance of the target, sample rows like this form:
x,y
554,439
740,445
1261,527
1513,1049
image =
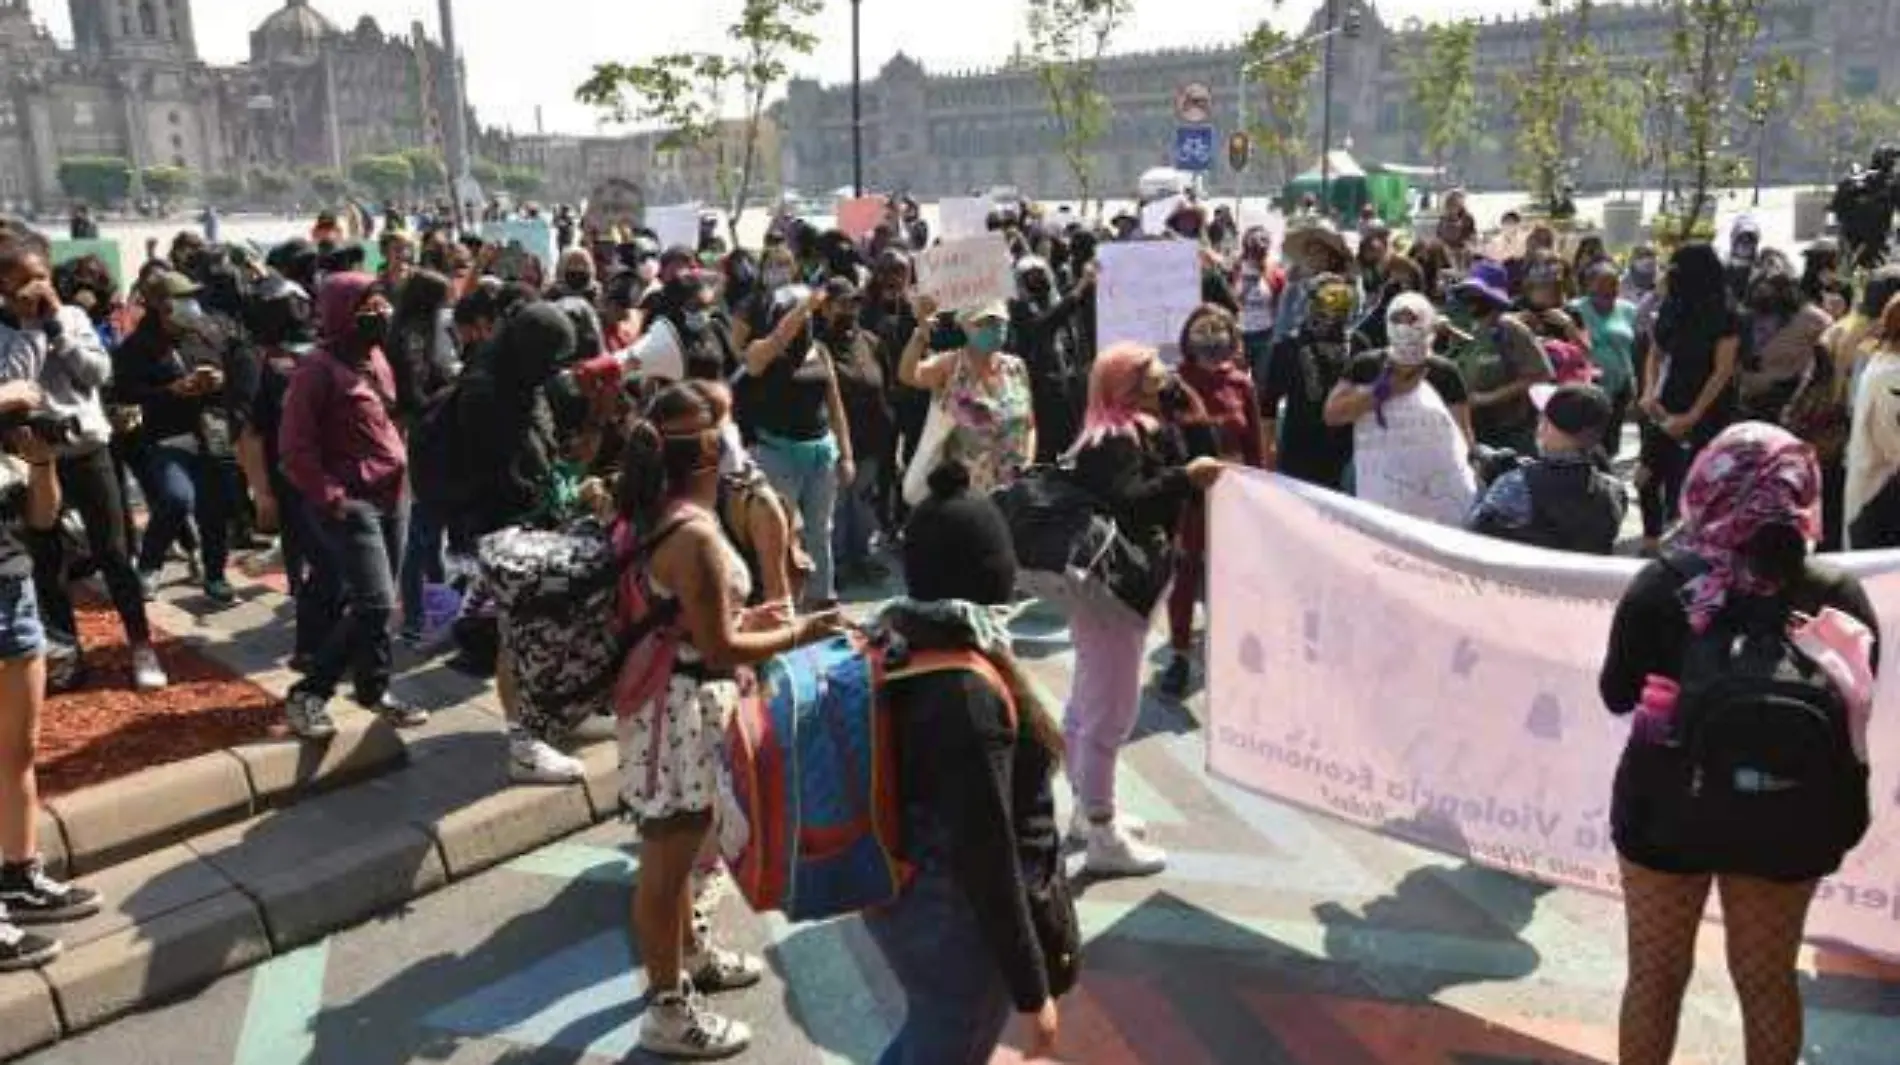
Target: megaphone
x,y
656,356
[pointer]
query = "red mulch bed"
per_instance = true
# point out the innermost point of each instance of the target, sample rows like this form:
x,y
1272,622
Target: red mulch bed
x,y
107,729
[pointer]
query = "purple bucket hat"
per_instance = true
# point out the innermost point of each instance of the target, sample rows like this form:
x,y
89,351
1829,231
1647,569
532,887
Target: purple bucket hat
x,y
1487,279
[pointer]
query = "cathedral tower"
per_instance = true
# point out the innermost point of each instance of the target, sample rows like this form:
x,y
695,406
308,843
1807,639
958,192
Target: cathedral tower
x,y
156,30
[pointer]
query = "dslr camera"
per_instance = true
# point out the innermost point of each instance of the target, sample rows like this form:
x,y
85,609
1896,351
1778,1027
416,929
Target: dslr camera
x,y
51,427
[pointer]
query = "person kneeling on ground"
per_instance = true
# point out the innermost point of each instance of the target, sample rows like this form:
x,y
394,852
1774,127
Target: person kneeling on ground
x,y
1565,499
988,925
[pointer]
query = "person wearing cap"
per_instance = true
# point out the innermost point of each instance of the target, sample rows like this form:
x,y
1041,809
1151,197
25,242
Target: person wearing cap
x,y
1610,321
1565,499
1501,362
54,346
1409,450
174,366
794,408
984,391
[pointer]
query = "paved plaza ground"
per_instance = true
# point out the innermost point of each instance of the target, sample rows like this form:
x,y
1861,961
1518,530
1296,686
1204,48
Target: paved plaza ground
x,y
1276,936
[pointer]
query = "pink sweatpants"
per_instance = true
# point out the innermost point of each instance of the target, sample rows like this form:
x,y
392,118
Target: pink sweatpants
x,y
1104,700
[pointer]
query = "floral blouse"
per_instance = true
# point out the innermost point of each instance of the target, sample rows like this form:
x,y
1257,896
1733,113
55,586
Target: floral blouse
x,y
993,420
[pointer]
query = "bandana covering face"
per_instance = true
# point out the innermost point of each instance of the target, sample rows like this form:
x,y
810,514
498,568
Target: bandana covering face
x,y
1751,477
1410,342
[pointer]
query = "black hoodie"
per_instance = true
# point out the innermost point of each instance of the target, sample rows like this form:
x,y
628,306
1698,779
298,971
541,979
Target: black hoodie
x,y
516,446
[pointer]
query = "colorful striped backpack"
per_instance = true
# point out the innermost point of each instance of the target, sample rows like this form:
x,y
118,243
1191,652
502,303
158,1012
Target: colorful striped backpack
x,y
812,752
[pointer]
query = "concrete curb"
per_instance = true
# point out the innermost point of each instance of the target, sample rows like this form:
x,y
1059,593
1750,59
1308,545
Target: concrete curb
x,y
98,827
191,912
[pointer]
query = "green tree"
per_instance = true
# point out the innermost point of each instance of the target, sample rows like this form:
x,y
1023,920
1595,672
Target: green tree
x,y
1279,73
385,176
271,184
224,188
1839,131
1443,74
166,184
329,185
1707,45
1554,100
102,180
487,174
524,182
1622,121
683,91
1066,42
431,174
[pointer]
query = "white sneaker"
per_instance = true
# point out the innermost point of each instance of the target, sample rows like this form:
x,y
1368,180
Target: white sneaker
x,y
680,1026
1113,851
309,716
1079,826
532,761
147,674
713,970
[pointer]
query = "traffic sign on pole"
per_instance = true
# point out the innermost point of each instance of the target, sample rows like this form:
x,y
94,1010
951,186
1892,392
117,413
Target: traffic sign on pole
x,y
1239,151
1194,148
1194,104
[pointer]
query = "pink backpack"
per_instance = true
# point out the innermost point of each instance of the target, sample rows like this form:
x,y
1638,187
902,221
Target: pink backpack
x,y
649,623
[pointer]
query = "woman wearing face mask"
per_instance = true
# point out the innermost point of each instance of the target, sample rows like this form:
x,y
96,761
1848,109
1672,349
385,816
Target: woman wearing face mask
x,y
753,318
1136,466
1778,347
1689,382
1214,375
576,277
173,366
804,434
1302,372
1500,363
668,495
985,391
345,456
1261,282
1042,331
1457,229
1611,324
1409,452
867,407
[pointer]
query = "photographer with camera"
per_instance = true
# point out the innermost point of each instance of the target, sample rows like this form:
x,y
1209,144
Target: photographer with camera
x,y
54,346
29,502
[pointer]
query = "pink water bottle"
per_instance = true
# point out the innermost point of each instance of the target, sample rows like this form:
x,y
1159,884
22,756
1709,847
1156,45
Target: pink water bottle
x,y
1656,710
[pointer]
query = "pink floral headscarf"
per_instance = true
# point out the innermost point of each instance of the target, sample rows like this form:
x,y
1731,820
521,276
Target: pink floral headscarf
x,y
1753,476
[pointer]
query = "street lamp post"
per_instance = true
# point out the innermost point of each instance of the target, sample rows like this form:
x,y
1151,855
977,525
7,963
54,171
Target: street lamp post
x,y
1761,152
1326,116
857,101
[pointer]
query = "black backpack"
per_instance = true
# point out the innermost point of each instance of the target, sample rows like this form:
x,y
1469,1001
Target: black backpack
x,y
1769,784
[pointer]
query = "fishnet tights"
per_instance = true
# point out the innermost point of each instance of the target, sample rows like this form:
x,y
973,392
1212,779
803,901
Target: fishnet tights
x,y
1762,920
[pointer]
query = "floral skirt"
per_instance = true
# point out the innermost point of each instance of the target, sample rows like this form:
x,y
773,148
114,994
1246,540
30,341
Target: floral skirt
x,y
672,756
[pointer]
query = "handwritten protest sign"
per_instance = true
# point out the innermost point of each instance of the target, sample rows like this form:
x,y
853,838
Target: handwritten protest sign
x,y
1442,688
677,224
1154,216
1145,291
963,275
534,236
857,218
963,216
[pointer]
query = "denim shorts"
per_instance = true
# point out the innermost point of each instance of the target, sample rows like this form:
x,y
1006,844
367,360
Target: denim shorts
x,y
21,634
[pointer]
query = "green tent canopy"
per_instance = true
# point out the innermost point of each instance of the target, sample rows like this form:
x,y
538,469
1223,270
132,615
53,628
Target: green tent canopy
x,y
1349,187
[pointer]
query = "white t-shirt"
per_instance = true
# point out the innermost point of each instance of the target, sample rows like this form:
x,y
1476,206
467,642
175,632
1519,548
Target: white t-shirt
x,y
1415,463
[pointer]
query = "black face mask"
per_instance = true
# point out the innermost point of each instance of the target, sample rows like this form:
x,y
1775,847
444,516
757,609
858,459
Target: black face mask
x,y
371,329
579,280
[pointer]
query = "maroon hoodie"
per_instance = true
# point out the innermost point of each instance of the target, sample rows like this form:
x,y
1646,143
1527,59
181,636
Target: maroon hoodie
x,y
338,439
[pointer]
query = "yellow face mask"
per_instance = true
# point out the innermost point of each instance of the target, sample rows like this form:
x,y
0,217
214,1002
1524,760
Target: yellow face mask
x,y
1332,301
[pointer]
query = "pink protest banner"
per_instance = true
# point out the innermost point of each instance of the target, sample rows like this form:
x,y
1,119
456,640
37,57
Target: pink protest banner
x,y
963,275
857,218
1442,688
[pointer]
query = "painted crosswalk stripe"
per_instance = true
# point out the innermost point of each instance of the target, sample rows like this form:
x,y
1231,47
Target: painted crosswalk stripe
x,y
286,998
575,861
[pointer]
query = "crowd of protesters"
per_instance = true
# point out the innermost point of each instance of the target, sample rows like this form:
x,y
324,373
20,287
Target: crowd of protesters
x,y
804,417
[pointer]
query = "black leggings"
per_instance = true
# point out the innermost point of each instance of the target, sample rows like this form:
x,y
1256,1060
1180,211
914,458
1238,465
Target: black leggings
x,y
1666,461
89,485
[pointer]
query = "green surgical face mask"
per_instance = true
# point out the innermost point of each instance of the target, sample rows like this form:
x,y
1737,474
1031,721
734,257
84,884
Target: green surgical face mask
x,y
987,339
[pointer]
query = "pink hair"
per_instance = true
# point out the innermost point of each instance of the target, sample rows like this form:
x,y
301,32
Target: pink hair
x,y
1115,386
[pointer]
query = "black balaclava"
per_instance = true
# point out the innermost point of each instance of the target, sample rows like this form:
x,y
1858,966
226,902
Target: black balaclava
x,y
957,545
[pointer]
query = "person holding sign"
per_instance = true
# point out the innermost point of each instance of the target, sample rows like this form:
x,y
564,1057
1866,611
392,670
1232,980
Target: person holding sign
x,y
981,412
1408,449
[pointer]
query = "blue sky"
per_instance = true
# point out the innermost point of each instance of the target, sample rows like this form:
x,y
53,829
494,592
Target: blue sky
x,y
522,55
